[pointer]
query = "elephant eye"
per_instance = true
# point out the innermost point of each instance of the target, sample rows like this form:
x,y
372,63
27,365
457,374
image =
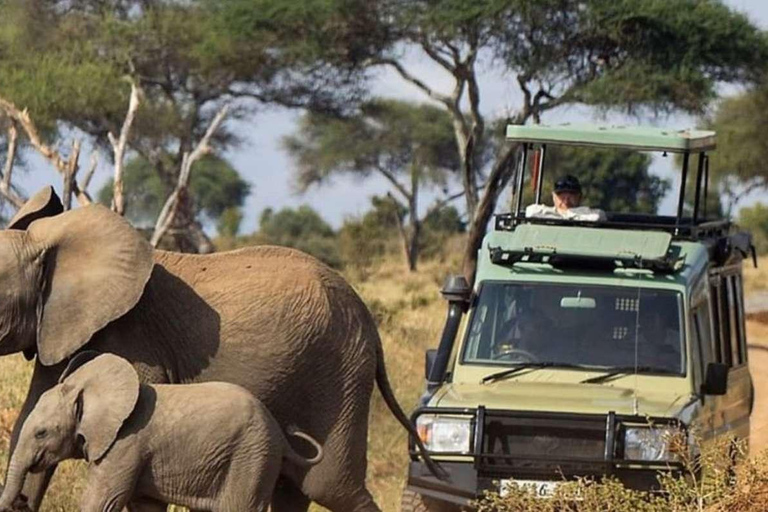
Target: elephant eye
x,y
40,434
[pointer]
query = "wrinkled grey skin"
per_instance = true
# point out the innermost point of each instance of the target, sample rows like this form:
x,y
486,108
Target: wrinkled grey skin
x,y
273,320
209,446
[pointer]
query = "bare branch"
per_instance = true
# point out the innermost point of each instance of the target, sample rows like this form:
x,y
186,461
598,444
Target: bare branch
x,y
119,146
433,54
438,205
393,180
171,206
5,185
70,174
60,164
473,91
91,170
442,98
522,80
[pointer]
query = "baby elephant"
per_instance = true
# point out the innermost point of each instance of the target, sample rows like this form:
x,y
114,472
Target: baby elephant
x,y
209,446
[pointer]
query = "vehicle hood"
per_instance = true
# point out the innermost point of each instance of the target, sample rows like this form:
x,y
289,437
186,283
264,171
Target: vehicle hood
x,y
562,397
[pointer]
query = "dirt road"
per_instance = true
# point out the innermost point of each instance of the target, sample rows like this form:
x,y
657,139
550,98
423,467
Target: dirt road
x,y
757,336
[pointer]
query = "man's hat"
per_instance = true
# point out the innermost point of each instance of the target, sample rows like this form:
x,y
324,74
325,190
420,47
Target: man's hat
x,y
568,183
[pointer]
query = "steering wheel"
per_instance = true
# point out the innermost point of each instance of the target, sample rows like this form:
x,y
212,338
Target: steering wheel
x,y
517,355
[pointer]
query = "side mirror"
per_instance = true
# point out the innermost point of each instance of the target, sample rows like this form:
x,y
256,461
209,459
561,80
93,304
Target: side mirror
x,y
429,361
716,379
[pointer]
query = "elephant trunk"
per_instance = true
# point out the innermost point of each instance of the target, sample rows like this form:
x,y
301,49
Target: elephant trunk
x,y
14,481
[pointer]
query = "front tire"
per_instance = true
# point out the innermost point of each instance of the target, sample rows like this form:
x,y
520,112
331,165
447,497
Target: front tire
x,y
414,502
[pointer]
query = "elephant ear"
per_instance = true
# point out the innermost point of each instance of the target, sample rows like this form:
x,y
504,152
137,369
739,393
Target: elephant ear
x,y
96,267
106,390
80,359
43,204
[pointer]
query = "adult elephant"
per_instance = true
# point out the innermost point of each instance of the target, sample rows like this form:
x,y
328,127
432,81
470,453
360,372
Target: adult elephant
x,y
273,320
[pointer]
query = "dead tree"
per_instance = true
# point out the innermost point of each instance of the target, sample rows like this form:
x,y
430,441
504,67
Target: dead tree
x,y
6,186
171,206
66,167
119,146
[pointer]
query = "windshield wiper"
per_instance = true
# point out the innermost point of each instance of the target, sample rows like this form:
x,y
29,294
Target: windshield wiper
x,y
615,372
526,366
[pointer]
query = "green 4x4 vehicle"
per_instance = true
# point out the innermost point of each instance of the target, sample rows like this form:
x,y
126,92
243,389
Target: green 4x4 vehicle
x,y
583,345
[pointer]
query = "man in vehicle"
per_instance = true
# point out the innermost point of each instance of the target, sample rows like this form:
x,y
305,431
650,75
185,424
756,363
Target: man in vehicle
x,y
566,197
659,344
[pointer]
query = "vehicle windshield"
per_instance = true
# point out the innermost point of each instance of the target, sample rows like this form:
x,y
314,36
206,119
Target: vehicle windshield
x,y
604,327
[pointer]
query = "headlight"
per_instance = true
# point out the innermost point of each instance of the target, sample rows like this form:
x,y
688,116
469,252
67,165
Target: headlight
x,y
649,443
445,433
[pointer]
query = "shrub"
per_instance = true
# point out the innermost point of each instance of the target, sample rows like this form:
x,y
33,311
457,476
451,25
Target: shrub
x,y
718,479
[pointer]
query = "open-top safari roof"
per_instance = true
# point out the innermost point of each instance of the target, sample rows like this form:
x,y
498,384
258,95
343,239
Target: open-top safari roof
x,y
628,137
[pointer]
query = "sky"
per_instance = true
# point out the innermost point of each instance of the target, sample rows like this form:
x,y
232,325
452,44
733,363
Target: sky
x,y
262,162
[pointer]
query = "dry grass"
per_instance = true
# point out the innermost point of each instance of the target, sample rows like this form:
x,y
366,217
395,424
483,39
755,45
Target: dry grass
x,y
756,279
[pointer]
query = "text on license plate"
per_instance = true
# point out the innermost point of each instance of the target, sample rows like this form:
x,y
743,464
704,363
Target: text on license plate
x,y
541,488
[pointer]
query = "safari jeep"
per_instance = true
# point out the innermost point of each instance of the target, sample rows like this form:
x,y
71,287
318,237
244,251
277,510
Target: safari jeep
x,y
582,345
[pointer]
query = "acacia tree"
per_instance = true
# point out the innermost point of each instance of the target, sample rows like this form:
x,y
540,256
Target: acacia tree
x,y
626,54
738,167
66,61
411,146
214,184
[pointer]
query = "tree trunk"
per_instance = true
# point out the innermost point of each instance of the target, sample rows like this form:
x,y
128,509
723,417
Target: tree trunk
x,y
500,175
466,157
186,232
403,235
413,244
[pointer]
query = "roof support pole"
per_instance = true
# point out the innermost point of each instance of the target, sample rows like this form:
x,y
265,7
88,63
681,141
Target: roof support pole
x,y
697,197
521,180
706,184
540,173
681,199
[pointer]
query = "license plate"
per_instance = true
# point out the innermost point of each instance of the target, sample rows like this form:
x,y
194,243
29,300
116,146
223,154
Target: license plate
x,y
541,488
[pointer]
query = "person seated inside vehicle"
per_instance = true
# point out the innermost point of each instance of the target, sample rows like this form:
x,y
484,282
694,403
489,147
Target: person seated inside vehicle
x,y
524,341
659,339
566,197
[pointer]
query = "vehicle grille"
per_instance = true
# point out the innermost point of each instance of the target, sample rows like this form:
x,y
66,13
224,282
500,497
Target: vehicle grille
x,y
563,445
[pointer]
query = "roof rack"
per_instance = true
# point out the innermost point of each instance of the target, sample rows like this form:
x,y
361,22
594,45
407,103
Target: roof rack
x,y
686,142
683,231
588,247
639,138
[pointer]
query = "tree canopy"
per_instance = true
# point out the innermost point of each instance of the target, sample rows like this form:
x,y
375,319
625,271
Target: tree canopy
x,y
755,220
410,145
301,228
68,63
738,167
632,55
214,184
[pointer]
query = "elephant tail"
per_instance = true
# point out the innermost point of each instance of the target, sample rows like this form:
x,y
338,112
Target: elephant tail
x,y
297,459
389,397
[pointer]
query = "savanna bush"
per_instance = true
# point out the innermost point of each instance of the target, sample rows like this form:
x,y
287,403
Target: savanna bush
x,y
718,479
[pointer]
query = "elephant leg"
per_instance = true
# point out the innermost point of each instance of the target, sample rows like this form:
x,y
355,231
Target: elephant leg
x,y
358,500
338,481
146,505
251,477
288,498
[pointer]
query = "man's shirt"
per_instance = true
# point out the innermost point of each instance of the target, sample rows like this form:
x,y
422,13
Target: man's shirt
x,y
583,213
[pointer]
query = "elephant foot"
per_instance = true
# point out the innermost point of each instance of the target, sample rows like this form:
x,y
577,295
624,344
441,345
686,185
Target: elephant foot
x,y
288,498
